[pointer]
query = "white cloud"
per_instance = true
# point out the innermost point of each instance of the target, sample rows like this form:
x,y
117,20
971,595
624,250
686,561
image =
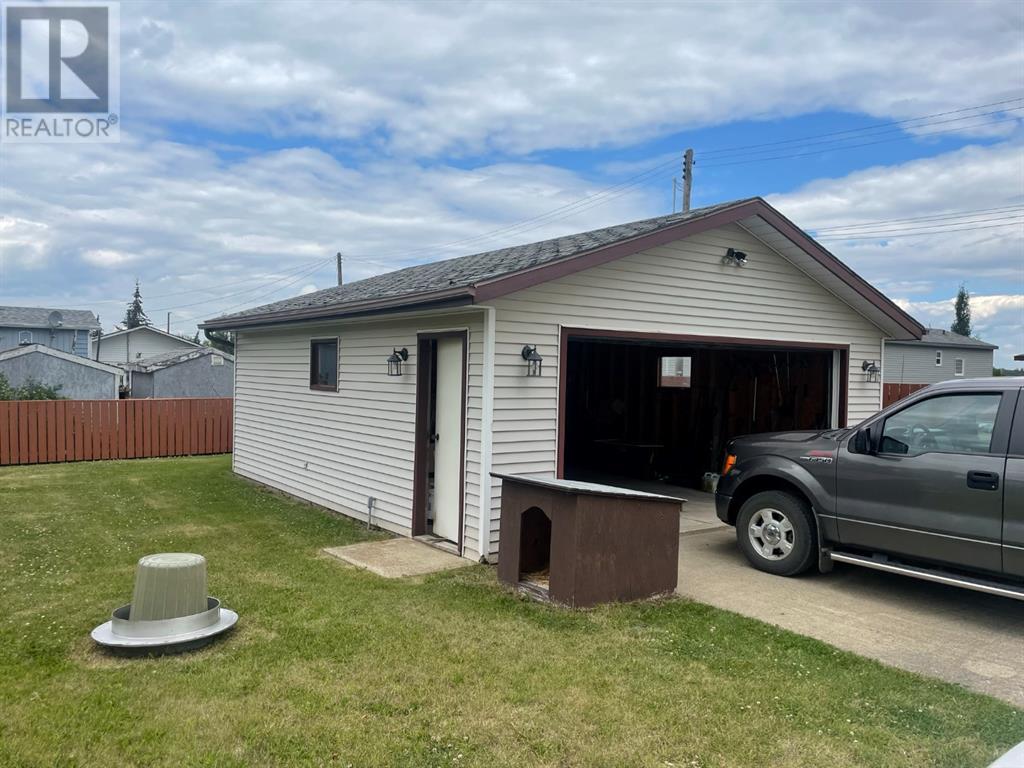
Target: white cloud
x,y
973,178
389,85
104,257
421,79
205,235
24,243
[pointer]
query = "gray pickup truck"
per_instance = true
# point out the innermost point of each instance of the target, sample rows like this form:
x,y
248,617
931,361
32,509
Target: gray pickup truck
x,y
930,487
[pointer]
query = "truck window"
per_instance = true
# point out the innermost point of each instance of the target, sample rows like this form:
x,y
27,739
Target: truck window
x,y
1017,438
946,424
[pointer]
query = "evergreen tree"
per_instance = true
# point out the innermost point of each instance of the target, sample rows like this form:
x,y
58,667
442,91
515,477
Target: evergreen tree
x,y
962,323
135,316
222,340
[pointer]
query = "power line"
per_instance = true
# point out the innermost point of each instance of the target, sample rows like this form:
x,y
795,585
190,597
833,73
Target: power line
x,y
617,190
292,269
862,144
569,209
862,129
248,302
951,214
892,235
251,301
305,273
1006,216
839,143
610,193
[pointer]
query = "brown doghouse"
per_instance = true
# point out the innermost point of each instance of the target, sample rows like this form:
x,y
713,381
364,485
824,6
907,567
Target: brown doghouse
x,y
582,543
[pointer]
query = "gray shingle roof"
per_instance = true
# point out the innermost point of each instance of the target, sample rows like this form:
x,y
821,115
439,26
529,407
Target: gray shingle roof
x,y
466,271
38,317
936,337
165,359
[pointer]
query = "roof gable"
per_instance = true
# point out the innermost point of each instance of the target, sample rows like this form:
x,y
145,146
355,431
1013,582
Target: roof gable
x,y
151,329
481,277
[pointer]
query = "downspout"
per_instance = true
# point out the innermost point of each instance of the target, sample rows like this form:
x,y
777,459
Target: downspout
x,y
881,377
486,436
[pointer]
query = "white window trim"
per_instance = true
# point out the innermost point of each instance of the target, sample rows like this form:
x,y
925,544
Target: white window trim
x,y
938,358
24,337
958,366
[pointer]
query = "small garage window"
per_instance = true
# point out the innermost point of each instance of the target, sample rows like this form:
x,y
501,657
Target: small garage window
x,y
938,357
674,372
958,367
323,364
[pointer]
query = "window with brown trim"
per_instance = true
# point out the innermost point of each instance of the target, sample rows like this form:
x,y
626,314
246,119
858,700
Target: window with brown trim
x,y
323,364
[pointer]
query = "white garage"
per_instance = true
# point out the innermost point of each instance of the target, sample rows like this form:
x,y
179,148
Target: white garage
x,y
633,350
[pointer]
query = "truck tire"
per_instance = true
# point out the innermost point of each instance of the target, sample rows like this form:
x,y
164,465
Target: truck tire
x,y
775,530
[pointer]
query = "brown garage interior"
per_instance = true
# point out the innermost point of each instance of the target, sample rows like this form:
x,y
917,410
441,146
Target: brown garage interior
x,y
655,410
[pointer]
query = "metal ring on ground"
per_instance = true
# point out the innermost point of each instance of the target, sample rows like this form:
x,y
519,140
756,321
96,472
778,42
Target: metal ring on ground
x,y
119,632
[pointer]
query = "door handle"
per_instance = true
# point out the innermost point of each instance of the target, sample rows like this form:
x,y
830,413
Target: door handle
x,y
983,481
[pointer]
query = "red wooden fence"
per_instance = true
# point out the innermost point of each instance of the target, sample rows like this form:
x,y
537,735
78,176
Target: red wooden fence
x,y
45,431
893,392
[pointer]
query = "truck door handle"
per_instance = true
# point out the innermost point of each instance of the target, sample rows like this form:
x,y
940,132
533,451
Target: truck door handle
x,y
983,481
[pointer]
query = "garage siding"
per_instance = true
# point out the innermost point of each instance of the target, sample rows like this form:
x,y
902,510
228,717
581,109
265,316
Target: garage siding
x,y
138,345
680,288
338,448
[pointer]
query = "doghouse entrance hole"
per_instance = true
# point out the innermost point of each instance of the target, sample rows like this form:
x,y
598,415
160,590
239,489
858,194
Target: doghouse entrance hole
x,y
535,548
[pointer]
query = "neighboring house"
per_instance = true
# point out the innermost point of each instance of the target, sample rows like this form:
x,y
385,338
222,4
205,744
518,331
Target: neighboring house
x,y
203,372
938,356
398,395
134,344
78,378
67,330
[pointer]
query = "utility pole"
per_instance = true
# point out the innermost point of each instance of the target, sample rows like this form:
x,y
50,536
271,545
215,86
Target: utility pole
x,y
338,257
675,186
687,178
168,322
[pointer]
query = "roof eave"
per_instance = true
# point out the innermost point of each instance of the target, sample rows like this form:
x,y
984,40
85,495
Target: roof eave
x,y
983,346
428,300
500,286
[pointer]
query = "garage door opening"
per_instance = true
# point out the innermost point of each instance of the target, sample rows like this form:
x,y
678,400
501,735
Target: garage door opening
x,y
659,412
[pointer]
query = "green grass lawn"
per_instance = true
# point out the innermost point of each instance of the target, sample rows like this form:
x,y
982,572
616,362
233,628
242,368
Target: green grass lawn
x,y
333,666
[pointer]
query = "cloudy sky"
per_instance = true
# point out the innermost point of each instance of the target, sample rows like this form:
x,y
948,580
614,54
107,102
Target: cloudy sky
x,y
259,138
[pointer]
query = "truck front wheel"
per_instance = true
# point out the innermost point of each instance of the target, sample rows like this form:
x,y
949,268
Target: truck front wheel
x,y
775,530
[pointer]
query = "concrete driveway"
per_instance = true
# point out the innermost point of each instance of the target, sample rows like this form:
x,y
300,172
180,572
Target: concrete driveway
x,y
964,637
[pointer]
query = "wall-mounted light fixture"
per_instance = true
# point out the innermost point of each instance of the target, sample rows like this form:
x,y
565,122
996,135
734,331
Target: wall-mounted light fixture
x,y
534,362
395,360
871,369
735,258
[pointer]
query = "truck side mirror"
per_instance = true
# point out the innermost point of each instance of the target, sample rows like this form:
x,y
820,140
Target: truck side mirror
x,y
862,441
